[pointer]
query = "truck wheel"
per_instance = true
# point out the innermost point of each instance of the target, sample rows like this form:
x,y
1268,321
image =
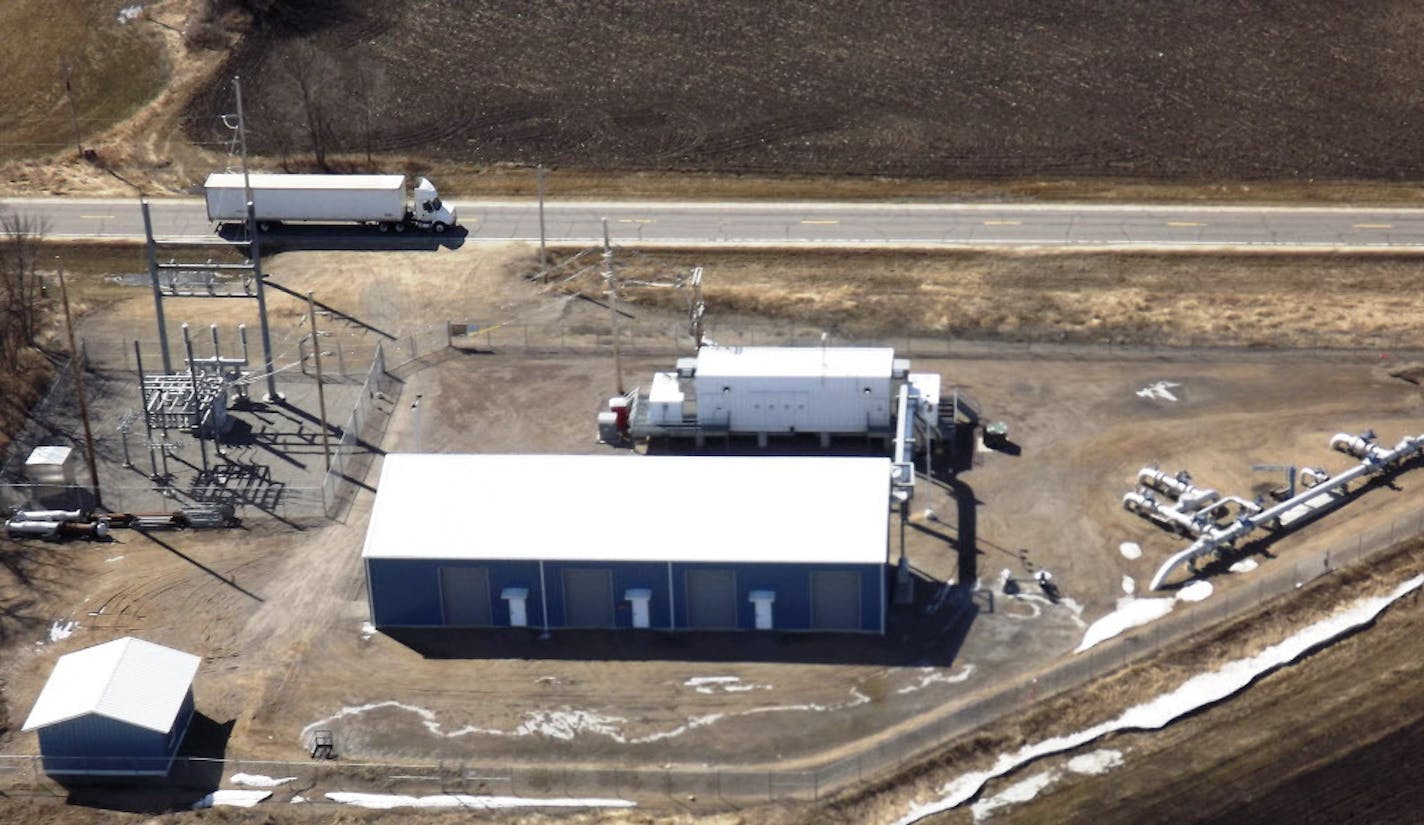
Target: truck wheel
x,y
264,226
383,226
438,227
399,227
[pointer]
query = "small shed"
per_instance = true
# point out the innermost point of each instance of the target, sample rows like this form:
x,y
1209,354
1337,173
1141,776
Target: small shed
x,y
52,465
116,709
611,542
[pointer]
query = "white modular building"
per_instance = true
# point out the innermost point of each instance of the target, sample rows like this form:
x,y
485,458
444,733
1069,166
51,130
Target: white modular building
x,y
601,541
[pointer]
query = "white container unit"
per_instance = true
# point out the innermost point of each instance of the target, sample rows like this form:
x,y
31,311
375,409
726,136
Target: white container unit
x,y
795,389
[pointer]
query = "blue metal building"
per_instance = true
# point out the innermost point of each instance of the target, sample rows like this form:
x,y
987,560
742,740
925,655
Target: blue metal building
x,y
667,542
116,709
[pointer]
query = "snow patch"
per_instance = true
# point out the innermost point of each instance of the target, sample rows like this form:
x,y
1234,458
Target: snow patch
x,y
1131,612
1097,762
567,723
388,801
113,559
729,684
298,799
62,630
1197,692
1161,389
257,780
1130,550
128,14
235,799
1195,592
1129,585
1088,764
930,676
1134,612
1037,601
367,631
1244,566
1021,791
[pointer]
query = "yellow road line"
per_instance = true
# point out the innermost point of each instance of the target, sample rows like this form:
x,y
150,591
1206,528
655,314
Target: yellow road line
x,y
1374,226
637,220
822,222
1003,223
1185,223
98,217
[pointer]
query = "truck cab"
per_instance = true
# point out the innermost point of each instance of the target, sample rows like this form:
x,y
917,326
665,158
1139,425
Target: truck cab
x,y
427,211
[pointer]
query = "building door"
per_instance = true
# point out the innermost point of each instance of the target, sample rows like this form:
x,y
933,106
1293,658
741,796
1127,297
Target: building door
x,y
465,596
588,598
712,599
835,600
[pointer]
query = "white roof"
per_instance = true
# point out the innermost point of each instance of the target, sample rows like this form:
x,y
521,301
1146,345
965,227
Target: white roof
x,y
631,508
49,455
128,680
267,180
815,362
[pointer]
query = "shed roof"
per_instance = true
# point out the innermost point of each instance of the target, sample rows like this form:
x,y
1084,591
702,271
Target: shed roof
x,y
269,180
810,362
49,454
631,508
128,680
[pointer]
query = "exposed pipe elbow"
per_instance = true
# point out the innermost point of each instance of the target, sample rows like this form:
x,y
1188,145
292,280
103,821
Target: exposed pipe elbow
x,y
1195,498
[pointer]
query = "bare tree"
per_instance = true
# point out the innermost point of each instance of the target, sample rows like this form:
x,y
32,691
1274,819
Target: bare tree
x,y
314,76
366,80
21,289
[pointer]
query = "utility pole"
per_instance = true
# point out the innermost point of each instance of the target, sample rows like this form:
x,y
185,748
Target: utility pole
x,y
157,290
77,363
612,281
699,308
73,114
197,403
543,252
271,374
320,387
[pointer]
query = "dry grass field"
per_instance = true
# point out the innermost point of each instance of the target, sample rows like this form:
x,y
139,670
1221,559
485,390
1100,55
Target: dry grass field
x,y
116,65
1249,300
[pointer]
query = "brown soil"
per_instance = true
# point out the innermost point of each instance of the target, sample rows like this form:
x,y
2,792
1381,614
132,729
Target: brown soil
x,y
745,100
902,89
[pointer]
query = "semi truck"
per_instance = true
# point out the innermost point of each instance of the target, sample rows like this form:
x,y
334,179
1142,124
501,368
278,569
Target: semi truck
x,y
368,200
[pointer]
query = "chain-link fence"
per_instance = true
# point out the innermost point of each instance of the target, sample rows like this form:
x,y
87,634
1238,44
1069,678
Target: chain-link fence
x,y
672,339
125,449
360,435
870,757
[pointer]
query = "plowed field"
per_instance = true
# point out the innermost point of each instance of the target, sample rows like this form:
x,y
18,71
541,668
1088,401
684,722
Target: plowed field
x,y
1294,90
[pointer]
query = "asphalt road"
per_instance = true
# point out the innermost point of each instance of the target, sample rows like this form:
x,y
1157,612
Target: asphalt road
x,y
832,224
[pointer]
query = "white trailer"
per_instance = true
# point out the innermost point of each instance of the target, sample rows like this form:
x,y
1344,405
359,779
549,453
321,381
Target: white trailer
x,y
369,200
